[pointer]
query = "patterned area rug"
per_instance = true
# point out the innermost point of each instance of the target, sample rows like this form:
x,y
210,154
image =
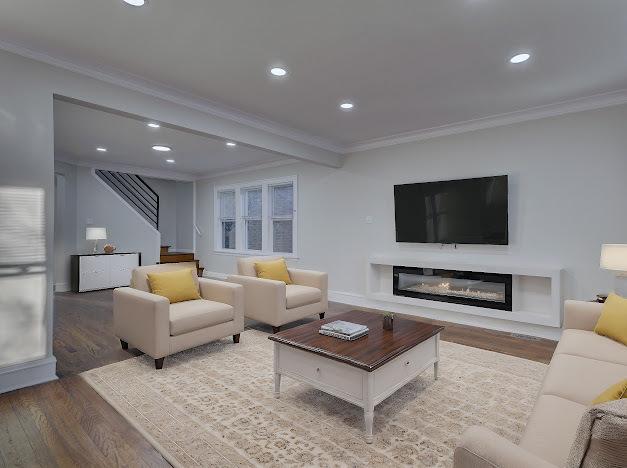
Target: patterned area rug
x,y
214,406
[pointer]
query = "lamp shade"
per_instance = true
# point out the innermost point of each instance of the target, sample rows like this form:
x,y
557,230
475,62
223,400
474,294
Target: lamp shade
x,y
614,257
96,233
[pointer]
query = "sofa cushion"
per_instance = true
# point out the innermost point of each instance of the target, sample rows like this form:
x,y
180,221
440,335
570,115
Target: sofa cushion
x,y
588,344
613,320
297,295
274,270
580,379
552,427
189,316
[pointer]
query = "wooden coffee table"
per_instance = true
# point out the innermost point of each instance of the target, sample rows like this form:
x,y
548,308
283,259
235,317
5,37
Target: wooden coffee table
x,y
363,372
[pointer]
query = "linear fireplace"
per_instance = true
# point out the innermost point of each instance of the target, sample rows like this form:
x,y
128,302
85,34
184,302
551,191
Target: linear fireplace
x,y
491,290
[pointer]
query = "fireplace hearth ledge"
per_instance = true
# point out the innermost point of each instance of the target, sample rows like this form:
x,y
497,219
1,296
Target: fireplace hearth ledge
x,y
379,286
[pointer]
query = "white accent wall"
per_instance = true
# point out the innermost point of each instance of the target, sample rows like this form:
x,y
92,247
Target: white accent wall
x,y
568,189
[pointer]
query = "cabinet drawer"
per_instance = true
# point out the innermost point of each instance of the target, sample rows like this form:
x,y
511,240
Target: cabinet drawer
x,y
321,371
93,272
122,266
405,366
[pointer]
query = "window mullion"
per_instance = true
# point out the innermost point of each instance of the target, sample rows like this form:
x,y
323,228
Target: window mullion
x,y
265,229
239,231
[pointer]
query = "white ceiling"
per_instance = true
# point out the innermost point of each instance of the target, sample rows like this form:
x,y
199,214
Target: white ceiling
x,y
407,64
79,130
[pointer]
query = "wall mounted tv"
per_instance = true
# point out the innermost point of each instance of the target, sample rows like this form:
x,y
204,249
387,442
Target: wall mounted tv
x,y
464,211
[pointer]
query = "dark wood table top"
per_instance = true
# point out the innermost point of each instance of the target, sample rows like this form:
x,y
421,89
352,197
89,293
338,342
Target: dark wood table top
x,y
368,352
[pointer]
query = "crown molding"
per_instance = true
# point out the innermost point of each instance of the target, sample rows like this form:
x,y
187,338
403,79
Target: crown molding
x,y
171,94
141,171
248,168
597,101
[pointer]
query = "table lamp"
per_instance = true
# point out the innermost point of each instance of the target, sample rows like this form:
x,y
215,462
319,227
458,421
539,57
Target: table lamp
x,y
95,234
614,258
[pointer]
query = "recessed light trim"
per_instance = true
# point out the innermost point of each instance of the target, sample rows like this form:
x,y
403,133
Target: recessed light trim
x,y
136,3
153,125
170,161
278,71
161,148
102,149
347,105
520,58
231,144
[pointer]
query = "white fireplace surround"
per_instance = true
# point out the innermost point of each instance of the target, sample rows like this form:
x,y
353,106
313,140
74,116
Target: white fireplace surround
x,y
536,289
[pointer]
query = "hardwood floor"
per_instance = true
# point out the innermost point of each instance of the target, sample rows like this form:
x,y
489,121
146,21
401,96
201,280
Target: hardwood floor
x,y
66,423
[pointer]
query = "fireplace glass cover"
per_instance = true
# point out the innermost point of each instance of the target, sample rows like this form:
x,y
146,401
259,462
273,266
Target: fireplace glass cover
x,y
491,290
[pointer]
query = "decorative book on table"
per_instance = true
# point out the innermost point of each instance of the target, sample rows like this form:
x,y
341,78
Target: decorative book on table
x,y
344,330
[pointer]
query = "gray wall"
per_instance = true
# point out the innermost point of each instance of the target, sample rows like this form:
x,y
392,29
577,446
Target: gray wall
x,y
176,212
65,235
568,192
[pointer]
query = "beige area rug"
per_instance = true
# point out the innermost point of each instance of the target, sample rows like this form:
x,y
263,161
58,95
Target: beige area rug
x,y
214,406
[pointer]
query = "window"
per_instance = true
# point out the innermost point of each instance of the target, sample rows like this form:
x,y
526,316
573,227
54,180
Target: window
x,y
257,217
227,218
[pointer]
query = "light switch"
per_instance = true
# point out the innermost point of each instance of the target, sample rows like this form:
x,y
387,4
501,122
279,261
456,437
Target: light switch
x,y
368,219
89,221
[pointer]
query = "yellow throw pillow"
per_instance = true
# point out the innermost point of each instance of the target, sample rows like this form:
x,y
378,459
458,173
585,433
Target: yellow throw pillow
x,y
613,320
615,392
177,286
274,270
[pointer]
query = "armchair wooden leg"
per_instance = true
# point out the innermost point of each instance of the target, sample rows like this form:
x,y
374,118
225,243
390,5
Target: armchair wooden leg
x,y
321,315
159,363
124,344
276,329
236,338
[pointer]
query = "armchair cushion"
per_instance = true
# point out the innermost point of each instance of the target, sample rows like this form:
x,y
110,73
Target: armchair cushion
x,y
274,270
189,316
246,265
177,286
139,277
297,295
613,320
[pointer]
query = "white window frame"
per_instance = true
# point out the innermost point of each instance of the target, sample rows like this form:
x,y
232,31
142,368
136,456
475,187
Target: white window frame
x,y
266,218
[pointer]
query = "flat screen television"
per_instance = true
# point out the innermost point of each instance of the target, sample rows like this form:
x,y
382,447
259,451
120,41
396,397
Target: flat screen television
x,y
464,211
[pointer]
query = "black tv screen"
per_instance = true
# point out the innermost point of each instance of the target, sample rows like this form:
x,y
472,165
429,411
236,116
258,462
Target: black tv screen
x,y
465,211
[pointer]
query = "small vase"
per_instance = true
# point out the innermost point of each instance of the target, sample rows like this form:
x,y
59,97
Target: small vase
x,y
388,323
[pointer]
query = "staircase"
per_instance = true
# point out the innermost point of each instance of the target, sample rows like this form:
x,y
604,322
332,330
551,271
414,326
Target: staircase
x,y
135,191
175,257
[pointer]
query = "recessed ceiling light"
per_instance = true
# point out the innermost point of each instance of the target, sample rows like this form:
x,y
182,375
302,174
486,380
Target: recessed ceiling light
x,y
520,58
135,2
171,161
231,143
102,149
346,105
161,148
153,125
278,71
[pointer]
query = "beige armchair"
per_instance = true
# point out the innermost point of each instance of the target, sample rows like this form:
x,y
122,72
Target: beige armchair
x,y
274,302
156,327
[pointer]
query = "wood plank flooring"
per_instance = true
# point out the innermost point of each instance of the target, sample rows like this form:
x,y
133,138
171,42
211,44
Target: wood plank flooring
x,y
66,423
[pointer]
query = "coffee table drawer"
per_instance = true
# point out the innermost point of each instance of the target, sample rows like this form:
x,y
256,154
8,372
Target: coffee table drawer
x,y
321,371
406,366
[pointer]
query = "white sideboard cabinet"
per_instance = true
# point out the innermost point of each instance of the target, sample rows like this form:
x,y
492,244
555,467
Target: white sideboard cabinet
x,y
103,271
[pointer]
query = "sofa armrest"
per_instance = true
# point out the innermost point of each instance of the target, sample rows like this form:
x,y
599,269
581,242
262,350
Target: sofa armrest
x,y
264,299
581,315
479,447
142,319
226,293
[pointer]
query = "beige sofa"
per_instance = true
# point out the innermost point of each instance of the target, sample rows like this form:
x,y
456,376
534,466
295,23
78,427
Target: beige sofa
x,y
274,302
156,327
583,365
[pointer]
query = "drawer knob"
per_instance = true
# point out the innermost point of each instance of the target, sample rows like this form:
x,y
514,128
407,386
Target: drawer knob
x,y
317,369
407,363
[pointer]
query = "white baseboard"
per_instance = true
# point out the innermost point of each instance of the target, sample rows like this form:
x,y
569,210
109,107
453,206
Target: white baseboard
x,y
27,374
359,300
62,287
